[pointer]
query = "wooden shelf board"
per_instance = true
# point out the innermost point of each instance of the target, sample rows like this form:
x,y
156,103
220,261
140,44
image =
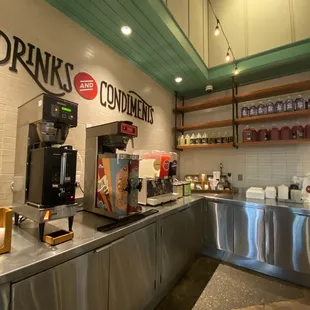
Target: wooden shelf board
x,y
273,117
204,105
274,91
274,142
224,123
204,146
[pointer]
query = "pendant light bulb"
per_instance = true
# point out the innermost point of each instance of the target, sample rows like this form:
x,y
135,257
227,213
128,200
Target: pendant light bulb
x,y
217,30
227,57
236,71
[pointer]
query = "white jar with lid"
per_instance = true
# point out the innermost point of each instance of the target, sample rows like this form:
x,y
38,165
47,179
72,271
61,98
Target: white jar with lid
x,y
283,192
270,192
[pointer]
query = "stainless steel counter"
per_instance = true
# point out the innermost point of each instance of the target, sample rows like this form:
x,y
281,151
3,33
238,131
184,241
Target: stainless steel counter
x,y
268,236
29,256
241,200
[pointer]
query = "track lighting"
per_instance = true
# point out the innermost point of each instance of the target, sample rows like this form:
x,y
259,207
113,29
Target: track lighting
x,y
236,71
217,30
227,56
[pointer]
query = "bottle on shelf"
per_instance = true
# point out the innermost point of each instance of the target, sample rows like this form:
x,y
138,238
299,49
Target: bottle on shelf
x,y
298,131
270,107
279,106
187,139
225,138
181,140
212,139
198,138
244,111
261,109
300,103
204,139
290,104
285,133
274,133
219,137
193,139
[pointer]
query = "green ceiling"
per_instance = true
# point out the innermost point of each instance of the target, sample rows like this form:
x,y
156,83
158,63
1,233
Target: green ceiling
x,y
158,46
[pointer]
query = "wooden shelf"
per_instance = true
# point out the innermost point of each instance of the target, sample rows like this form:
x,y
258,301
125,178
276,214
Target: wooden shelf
x,y
204,105
273,117
204,146
274,91
274,142
216,124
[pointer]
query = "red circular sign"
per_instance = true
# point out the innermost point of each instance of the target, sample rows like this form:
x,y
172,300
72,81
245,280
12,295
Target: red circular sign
x,y
85,85
308,189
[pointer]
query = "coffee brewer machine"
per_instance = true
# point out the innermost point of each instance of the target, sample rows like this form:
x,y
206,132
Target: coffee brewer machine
x,y
44,180
111,180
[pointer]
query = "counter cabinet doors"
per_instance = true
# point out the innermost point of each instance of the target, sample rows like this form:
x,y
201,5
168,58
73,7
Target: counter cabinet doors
x,y
249,232
219,222
133,270
79,284
290,240
181,241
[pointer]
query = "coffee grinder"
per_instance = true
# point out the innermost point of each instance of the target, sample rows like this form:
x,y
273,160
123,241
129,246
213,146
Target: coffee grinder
x,y
44,178
111,182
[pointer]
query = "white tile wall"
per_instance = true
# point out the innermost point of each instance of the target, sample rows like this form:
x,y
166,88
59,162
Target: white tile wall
x,y
258,165
36,22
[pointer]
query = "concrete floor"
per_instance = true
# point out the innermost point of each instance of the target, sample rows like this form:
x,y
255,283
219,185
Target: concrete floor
x,y
211,284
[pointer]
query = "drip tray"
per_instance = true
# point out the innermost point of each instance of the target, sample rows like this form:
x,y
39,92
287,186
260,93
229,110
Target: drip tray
x,y
127,220
58,237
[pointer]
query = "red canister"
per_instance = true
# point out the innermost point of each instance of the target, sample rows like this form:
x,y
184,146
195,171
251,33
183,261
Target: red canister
x,y
298,131
247,134
254,134
274,133
307,131
263,134
286,132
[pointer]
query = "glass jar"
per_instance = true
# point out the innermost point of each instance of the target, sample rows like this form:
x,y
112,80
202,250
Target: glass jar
x,y
261,109
289,104
300,103
244,111
270,107
279,106
253,110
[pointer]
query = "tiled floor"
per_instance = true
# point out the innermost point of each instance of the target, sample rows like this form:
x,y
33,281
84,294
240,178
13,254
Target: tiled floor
x,y
210,284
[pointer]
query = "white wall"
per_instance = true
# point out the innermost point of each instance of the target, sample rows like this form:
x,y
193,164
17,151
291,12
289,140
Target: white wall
x,y
251,26
37,22
258,165
192,17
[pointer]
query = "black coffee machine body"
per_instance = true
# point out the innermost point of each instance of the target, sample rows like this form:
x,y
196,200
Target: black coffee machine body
x,y
45,168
